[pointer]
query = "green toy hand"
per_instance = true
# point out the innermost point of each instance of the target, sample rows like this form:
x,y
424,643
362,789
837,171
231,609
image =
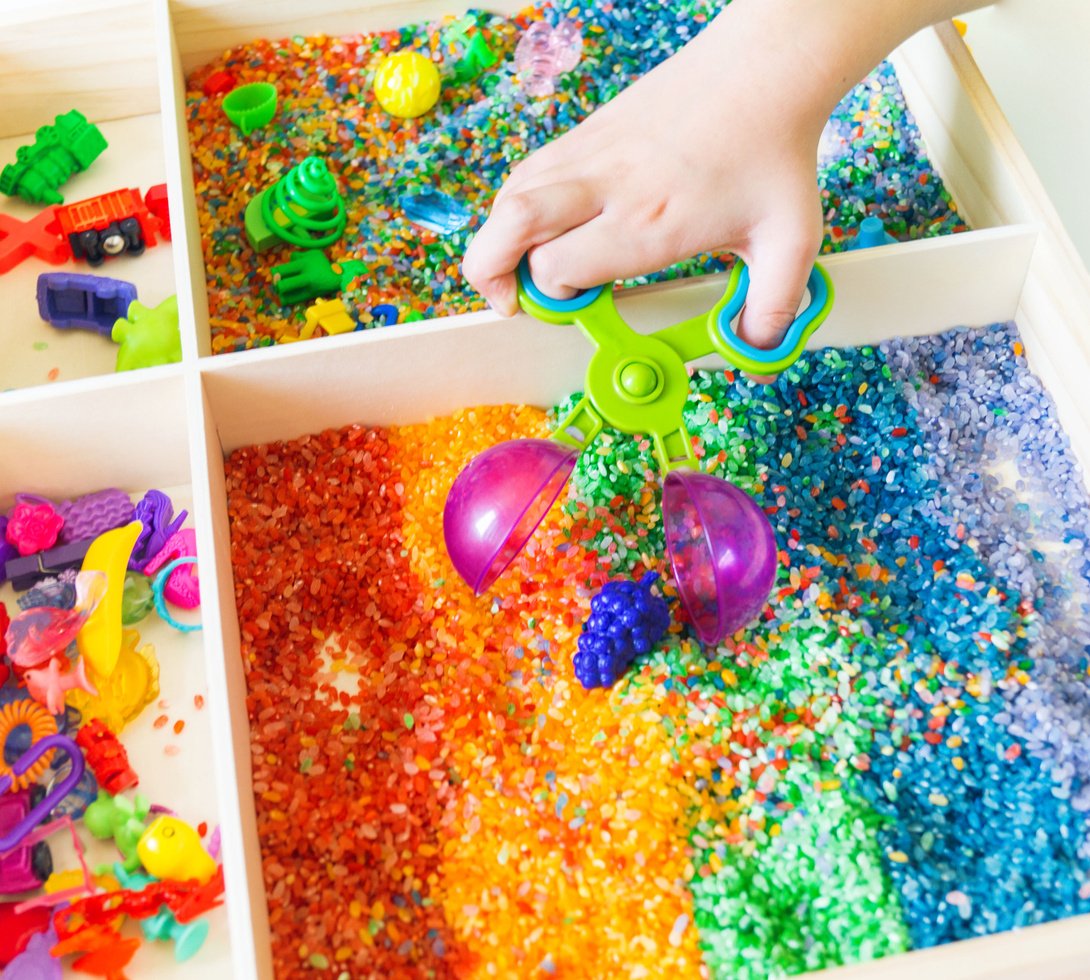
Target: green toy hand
x,y
309,274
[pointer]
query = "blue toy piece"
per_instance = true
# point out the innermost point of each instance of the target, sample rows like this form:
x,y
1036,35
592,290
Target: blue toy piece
x,y
626,620
435,211
386,312
69,300
871,234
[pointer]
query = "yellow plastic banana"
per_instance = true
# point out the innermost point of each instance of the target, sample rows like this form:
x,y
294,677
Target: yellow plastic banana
x,y
99,641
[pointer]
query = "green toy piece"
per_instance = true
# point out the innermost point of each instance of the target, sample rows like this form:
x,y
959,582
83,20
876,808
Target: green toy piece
x,y
70,145
309,274
251,106
137,600
638,383
148,336
303,208
477,56
120,818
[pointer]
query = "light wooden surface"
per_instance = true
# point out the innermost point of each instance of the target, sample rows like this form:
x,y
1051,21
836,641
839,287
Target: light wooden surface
x,y
1034,57
98,56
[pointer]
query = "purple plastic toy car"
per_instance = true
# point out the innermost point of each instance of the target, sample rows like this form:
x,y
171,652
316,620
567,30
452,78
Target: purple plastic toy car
x,y
69,300
24,868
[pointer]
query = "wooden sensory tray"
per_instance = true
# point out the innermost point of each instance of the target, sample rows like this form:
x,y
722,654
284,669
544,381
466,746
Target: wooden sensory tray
x,y
171,427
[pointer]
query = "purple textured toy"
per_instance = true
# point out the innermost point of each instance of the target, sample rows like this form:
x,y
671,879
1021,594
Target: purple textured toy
x,y
626,620
544,52
722,551
156,513
70,300
496,503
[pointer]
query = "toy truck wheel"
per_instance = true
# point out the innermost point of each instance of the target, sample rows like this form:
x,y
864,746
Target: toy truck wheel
x,y
41,861
88,246
134,236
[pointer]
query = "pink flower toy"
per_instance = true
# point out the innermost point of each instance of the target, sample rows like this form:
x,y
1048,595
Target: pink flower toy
x,y
544,52
33,527
36,635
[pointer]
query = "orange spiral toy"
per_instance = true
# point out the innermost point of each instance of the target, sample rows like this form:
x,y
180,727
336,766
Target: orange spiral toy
x,y
41,724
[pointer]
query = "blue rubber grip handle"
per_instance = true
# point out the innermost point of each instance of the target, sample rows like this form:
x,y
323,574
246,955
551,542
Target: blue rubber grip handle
x,y
819,295
579,301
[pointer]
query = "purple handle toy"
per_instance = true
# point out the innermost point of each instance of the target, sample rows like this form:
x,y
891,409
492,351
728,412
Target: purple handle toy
x,y
53,798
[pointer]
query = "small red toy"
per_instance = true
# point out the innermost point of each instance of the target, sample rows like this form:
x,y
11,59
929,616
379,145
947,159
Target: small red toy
x,y
16,928
219,83
109,224
105,951
156,202
40,236
107,757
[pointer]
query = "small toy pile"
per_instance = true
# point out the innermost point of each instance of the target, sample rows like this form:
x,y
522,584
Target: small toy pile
x,y
74,673
118,223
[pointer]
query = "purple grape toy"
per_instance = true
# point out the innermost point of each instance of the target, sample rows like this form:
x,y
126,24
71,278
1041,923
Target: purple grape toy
x,y
626,620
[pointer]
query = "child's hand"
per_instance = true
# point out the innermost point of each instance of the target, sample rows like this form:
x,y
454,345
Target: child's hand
x,y
713,150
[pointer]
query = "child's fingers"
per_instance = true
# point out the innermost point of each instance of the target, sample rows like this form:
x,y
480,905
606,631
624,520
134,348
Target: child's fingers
x,y
596,252
516,224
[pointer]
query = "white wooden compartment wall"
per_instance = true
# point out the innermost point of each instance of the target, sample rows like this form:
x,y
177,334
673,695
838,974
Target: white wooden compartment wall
x,y
186,417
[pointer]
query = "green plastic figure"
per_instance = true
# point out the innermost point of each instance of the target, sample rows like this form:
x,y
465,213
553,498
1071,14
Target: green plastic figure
x,y
309,274
188,938
304,208
137,600
120,818
477,56
148,336
70,145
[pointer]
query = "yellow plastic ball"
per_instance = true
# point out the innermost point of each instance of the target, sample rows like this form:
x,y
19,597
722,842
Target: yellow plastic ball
x,y
407,84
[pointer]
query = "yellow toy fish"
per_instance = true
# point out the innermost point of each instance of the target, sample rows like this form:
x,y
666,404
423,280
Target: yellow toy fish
x,y
171,850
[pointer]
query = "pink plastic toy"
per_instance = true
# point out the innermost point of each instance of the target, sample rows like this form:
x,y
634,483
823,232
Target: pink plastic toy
x,y
544,52
33,527
37,634
182,588
48,685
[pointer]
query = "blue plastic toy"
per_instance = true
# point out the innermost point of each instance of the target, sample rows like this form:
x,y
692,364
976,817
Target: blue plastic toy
x,y
435,211
626,620
69,300
871,234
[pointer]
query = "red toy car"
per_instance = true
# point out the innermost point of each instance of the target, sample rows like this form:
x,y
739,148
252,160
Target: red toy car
x,y
110,224
24,868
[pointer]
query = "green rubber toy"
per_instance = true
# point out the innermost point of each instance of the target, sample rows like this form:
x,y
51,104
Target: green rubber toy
x,y
137,600
148,335
477,57
70,145
638,383
120,818
304,208
309,274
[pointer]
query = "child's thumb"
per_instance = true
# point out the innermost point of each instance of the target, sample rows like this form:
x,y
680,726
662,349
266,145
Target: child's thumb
x,y
777,282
